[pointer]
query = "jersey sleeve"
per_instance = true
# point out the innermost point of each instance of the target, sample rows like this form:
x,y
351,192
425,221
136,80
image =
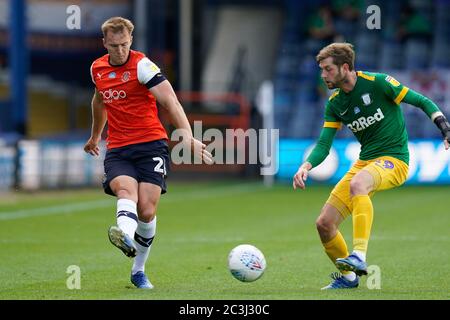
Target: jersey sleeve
x,y
331,120
148,73
392,88
322,147
420,101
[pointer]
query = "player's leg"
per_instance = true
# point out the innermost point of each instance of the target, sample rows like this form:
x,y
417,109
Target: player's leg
x,y
121,182
149,195
337,208
360,187
334,244
380,174
151,166
332,240
126,190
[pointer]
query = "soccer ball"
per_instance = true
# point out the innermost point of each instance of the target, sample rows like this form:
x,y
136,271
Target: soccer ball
x,y
246,263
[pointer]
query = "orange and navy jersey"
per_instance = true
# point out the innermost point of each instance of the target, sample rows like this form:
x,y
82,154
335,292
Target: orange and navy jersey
x,y
131,108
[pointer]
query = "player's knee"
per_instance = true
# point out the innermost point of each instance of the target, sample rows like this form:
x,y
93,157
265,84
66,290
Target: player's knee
x,y
125,193
146,212
357,186
324,226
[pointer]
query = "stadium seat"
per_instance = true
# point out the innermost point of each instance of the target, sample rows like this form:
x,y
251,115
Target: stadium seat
x,y
366,44
416,54
391,56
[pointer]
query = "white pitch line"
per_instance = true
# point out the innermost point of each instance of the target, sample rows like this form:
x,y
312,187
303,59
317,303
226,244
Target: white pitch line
x,y
90,205
59,209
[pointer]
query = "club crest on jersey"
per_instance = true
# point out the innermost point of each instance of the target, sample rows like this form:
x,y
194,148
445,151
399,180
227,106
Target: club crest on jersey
x,y
366,99
126,76
356,110
112,75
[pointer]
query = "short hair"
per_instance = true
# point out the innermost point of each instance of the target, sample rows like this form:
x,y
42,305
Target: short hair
x,y
116,25
340,52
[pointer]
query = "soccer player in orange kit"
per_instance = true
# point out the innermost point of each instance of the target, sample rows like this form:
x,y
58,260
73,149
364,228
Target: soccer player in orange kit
x,y
127,86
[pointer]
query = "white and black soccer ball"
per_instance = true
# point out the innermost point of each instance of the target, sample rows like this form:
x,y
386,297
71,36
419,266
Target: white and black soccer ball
x,y
246,263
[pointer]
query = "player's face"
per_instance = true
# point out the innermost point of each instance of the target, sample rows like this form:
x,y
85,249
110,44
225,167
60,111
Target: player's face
x,y
331,74
118,46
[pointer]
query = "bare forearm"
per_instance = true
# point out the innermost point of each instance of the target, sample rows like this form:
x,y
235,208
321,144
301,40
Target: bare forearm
x,y
168,100
98,118
178,117
306,165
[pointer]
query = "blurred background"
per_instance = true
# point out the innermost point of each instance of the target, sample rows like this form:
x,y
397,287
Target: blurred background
x,y
234,64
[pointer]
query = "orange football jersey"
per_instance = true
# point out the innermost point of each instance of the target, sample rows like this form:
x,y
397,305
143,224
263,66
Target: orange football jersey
x,y
130,106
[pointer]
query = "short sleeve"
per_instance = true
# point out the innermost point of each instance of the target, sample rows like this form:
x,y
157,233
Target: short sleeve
x,y
392,88
146,70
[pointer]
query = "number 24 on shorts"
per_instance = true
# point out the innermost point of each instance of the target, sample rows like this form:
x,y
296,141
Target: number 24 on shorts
x,y
160,166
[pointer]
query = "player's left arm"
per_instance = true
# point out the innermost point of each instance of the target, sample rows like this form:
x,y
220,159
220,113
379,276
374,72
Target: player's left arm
x,y
150,75
433,112
166,97
400,93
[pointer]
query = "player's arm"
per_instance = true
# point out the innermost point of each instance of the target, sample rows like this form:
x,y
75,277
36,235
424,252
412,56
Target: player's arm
x,y
150,75
166,97
98,123
317,155
433,112
399,93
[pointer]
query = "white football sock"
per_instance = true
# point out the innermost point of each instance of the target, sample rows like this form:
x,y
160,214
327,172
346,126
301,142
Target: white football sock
x,y
143,239
360,254
351,276
127,216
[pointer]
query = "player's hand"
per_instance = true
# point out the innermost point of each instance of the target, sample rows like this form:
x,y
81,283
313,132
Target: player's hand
x,y
91,147
443,125
300,177
199,149
446,135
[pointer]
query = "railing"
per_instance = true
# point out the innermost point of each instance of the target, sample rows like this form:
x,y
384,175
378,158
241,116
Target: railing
x,y
218,111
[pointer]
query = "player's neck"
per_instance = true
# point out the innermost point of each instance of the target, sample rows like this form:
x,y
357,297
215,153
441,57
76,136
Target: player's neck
x,y
118,63
349,83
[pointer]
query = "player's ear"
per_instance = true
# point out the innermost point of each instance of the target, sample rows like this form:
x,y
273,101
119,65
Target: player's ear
x,y
104,42
346,67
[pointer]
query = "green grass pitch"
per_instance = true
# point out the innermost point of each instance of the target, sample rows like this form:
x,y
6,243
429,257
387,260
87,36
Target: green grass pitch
x,y
199,223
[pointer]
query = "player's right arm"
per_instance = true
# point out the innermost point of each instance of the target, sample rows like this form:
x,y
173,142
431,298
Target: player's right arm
x,y
98,123
321,149
316,157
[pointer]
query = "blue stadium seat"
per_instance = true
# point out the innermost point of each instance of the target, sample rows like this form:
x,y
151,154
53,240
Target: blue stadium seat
x,y
441,53
391,56
417,54
366,44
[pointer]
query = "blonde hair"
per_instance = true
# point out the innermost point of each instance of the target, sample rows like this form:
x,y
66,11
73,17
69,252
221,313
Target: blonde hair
x,y
340,52
116,25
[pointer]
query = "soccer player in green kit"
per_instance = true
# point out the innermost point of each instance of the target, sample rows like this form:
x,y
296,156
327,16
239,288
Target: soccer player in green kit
x,y
369,105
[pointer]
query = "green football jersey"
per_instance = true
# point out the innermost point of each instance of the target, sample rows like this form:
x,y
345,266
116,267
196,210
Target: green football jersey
x,y
372,112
